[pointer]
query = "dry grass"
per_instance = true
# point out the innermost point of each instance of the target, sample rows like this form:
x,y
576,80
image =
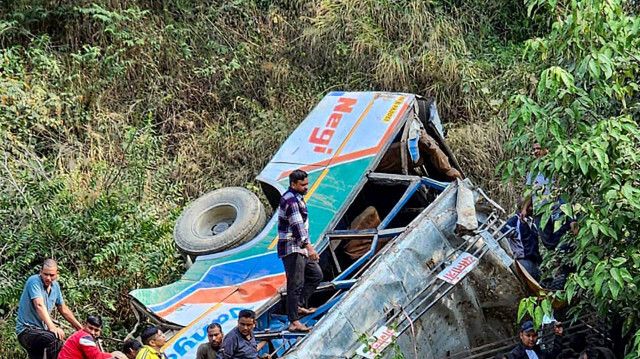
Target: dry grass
x,y
409,48
479,149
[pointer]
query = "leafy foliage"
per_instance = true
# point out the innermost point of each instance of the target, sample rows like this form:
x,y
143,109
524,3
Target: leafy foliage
x,y
113,114
585,110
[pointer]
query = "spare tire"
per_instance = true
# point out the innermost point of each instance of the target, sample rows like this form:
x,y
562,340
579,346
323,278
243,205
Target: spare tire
x,y
219,220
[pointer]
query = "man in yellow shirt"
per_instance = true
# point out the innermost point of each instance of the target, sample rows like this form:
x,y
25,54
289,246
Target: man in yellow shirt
x,y
153,340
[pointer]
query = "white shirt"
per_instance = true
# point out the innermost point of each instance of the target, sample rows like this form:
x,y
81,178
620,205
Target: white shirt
x,y
531,354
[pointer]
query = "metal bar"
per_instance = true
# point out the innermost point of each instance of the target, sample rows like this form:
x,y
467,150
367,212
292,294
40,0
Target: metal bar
x,y
351,232
276,350
323,286
431,183
360,261
403,147
438,298
373,258
413,187
391,232
344,284
432,291
394,178
432,272
278,335
335,259
322,309
390,177
368,238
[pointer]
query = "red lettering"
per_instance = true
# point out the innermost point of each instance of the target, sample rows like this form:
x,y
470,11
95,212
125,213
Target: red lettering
x,y
321,149
345,104
451,276
334,120
455,271
323,138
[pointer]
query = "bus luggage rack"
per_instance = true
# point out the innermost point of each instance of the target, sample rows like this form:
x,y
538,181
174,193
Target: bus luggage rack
x,y
458,263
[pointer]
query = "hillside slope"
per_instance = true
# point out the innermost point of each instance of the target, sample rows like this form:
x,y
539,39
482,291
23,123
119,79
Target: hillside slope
x,y
115,113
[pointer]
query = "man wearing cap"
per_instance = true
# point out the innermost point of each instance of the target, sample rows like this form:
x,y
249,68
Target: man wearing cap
x,y
529,349
83,345
153,340
36,330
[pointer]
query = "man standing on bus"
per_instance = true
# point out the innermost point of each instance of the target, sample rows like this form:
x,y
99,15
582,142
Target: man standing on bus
x,y
299,257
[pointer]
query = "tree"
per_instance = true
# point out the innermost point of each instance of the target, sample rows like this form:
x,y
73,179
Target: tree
x,y
585,109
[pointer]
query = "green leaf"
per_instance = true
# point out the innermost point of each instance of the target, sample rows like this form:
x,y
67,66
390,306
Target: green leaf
x,y
522,308
618,261
584,164
532,5
628,191
546,306
629,323
539,315
600,155
580,281
545,219
597,288
557,163
594,68
567,209
615,289
624,273
615,273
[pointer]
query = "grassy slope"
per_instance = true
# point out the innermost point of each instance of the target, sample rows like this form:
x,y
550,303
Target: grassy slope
x,y
114,114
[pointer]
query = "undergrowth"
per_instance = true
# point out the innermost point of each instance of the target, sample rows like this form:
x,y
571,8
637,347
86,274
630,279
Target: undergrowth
x,y
114,114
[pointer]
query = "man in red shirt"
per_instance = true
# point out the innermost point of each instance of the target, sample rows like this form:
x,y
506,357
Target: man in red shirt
x,y
82,344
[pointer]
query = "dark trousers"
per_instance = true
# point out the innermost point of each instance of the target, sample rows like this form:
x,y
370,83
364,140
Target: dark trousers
x,y
532,267
36,341
549,237
303,277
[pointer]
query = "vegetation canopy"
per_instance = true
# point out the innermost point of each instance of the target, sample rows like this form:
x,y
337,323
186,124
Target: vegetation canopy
x,y
585,109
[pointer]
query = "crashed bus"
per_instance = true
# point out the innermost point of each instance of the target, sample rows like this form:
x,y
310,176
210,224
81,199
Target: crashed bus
x,y
413,255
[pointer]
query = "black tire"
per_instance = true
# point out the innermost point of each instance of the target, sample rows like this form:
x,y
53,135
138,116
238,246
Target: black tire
x,y
219,220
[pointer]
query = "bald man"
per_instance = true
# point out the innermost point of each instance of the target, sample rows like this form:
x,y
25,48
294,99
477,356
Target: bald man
x,y
35,329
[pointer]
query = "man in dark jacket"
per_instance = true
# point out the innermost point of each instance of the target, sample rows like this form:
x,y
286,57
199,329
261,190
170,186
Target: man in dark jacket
x,y
524,242
240,343
529,349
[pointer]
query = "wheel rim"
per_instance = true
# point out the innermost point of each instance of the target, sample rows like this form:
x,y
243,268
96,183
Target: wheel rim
x,y
215,220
